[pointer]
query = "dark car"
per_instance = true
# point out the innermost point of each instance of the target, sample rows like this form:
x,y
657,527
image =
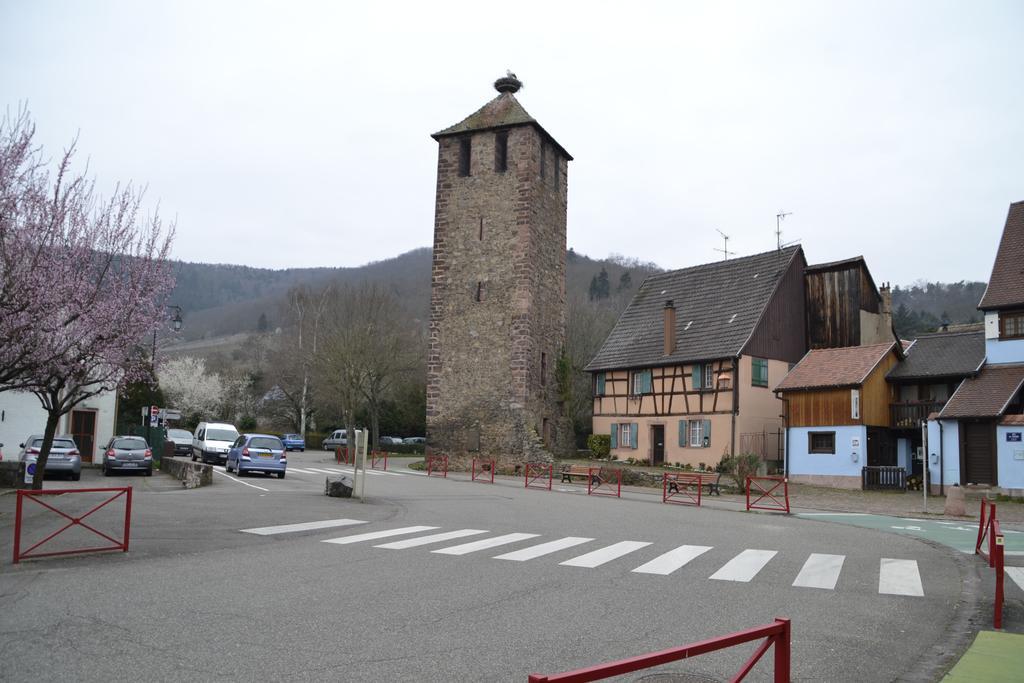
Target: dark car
x,y
294,442
182,440
257,453
127,453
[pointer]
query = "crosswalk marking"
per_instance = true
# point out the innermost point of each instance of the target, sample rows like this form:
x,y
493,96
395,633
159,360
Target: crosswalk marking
x,y
899,577
433,538
1016,575
820,571
543,549
664,565
303,526
301,471
467,548
606,554
373,535
744,566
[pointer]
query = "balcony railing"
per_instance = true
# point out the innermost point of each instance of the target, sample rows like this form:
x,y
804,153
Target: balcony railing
x,y
911,414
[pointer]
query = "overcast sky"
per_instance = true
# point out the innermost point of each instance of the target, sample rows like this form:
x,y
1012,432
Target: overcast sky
x,y
290,134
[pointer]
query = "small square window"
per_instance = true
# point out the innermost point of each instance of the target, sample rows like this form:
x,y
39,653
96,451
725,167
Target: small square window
x,y
823,443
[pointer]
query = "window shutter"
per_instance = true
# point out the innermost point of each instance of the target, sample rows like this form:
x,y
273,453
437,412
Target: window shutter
x,y
632,435
706,432
683,433
600,384
615,435
647,382
697,376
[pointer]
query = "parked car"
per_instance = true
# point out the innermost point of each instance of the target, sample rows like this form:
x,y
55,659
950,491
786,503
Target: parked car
x,y
414,439
128,453
294,442
257,453
390,441
64,457
182,440
212,441
337,438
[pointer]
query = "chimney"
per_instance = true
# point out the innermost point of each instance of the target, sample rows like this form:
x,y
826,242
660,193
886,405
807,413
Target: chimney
x,y
885,311
670,327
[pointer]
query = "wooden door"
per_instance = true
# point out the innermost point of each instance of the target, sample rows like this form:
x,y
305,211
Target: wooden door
x,y
881,449
83,429
658,441
979,449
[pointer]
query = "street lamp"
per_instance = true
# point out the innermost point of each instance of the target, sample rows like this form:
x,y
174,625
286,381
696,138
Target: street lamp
x,y
175,323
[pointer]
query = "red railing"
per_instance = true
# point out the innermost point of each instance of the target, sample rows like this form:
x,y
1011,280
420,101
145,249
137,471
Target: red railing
x,y
535,472
604,481
35,496
767,498
341,455
988,530
678,489
483,471
777,634
437,466
378,458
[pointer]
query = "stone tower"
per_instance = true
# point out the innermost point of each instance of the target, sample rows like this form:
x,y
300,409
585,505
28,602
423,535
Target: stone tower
x,y
497,305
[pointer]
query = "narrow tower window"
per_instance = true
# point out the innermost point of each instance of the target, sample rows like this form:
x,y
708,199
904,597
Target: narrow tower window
x,y
501,151
543,368
543,159
481,228
480,293
464,150
558,168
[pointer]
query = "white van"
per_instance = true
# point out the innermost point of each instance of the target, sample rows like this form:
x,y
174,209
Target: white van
x,y
211,441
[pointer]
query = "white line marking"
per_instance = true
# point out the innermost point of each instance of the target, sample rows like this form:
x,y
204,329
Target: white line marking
x,y
304,526
239,481
1016,575
300,470
820,571
744,566
484,544
543,549
832,514
664,565
320,471
433,538
606,554
379,534
899,577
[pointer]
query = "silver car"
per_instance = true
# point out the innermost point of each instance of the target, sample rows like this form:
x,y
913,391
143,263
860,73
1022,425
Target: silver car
x,y
127,453
64,457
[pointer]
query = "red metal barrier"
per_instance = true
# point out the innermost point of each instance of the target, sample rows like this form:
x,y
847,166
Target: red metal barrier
x,y
35,496
436,464
483,470
678,489
535,472
604,481
772,500
341,455
988,529
378,458
777,634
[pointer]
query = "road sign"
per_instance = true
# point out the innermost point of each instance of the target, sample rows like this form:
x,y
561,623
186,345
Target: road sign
x,y
154,416
171,414
30,472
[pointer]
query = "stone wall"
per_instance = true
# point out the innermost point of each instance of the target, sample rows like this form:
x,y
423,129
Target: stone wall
x,y
190,474
11,475
497,301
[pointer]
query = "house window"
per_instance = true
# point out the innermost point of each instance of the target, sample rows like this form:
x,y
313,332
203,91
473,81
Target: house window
x,y
821,442
464,154
543,368
641,382
703,376
696,434
599,384
501,151
758,372
855,404
1011,324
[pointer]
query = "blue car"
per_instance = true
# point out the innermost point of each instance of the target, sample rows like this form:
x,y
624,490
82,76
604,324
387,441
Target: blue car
x,y
257,453
294,442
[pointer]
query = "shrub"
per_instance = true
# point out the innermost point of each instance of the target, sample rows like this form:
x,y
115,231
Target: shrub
x,y
739,467
247,423
600,445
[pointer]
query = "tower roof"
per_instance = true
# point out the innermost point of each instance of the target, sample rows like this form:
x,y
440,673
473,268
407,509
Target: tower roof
x,y
1006,285
504,111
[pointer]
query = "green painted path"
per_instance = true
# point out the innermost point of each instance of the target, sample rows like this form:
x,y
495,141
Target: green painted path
x,y
959,535
993,657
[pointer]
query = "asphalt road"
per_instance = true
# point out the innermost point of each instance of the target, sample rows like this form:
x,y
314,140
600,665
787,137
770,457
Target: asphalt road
x,y
198,597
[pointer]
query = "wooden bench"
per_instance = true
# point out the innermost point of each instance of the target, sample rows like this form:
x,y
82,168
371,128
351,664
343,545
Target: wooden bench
x,y
575,471
709,479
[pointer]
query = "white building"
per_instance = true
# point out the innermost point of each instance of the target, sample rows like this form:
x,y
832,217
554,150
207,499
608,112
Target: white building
x,y
91,423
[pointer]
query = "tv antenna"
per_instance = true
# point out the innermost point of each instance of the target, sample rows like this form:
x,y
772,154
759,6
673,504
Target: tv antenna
x,y
725,247
778,227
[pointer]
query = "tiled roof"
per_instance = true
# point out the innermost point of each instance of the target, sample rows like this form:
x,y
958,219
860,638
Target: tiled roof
x,y
942,355
1012,420
1006,285
985,395
503,111
832,368
717,305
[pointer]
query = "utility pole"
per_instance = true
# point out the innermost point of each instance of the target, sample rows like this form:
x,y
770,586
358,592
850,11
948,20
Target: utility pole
x,y
778,227
725,247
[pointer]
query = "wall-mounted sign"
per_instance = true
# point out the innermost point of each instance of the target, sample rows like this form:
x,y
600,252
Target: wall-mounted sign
x,y
855,443
1013,436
